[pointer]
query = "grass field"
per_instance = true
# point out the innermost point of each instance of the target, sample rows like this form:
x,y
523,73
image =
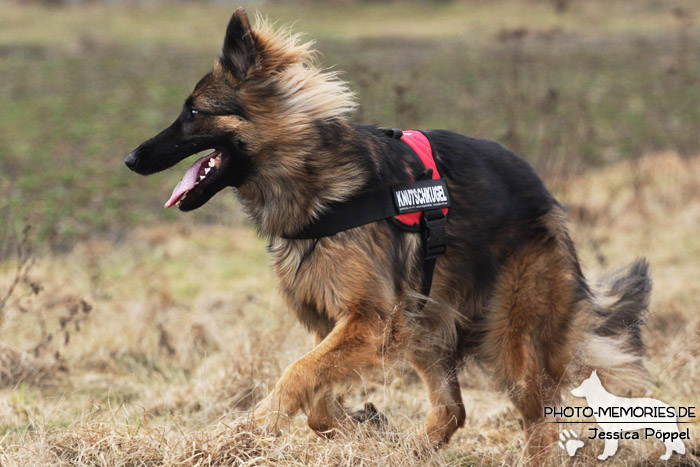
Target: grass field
x,y
130,335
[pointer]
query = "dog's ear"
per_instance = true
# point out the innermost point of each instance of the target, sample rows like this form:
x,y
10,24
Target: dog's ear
x,y
239,54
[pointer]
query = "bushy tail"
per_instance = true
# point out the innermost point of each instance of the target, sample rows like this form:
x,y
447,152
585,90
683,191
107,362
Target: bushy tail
x,y
613,345
623,303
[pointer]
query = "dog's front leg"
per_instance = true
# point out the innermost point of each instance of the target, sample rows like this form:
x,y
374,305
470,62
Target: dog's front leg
x,y
352,346
447,412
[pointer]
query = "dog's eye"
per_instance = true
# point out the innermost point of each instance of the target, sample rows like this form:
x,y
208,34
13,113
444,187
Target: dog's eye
x,y
193,114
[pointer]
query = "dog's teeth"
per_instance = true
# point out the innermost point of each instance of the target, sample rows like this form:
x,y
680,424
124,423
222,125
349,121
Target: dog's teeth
x,y
207,170
201,177
212,163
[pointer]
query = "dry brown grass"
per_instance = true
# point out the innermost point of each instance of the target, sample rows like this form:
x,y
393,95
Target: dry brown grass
x,y
185,333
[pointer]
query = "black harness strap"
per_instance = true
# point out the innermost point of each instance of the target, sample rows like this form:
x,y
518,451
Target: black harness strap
x,y
359,210
434,244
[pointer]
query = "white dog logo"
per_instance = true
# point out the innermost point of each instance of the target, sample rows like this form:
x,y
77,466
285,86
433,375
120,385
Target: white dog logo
x,y
602,403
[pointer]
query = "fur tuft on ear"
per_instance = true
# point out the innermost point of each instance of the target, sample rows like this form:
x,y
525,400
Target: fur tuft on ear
x,y
239,54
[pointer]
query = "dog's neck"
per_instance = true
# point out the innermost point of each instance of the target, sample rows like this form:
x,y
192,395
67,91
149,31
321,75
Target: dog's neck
x,y
300,178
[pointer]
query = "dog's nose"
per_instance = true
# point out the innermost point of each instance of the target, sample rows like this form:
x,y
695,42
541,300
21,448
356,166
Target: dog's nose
x,y
131,160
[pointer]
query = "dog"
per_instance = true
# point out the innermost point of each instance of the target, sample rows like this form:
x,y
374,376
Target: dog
x,y
597,397
509,291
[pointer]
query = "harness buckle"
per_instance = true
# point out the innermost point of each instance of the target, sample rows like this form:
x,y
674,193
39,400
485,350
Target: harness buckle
x,y
433,233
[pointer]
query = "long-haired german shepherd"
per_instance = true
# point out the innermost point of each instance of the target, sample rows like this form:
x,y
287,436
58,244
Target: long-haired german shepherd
x,y
509,292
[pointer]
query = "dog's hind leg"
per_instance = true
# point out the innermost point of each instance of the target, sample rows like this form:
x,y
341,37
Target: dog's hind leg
x,y
447,412
530,397
532,387
351,347
528,341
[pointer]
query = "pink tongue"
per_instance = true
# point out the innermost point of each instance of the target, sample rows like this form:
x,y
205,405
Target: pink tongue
x,y
187,182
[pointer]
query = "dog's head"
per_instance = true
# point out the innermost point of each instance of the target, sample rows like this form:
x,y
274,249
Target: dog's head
x,y
588,387
258,103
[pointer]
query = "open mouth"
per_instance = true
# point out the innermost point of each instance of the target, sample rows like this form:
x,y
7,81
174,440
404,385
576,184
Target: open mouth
x,y
199,175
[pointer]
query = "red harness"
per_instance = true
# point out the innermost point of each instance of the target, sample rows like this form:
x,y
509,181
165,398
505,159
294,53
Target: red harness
x,y
421,146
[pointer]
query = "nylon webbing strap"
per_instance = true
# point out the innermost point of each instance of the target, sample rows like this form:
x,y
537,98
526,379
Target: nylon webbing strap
x,y
434,244
376,205
360,210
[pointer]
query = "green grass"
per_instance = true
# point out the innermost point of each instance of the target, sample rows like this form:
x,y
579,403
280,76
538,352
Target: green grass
x,y
80,87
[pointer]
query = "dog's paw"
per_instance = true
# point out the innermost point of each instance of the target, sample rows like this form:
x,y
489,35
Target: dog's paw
x,y
569,442
370,415
376,421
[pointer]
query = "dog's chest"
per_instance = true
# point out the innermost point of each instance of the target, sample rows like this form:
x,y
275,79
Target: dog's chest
x,y
310,280
326,280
